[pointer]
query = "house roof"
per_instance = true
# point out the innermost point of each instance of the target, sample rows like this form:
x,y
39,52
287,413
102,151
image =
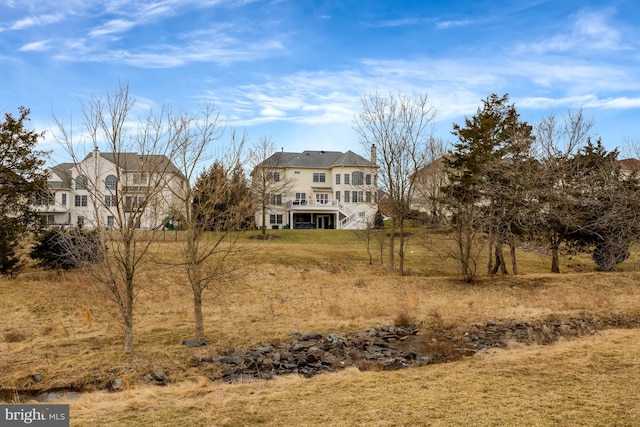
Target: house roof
x,y
316,159
62,177
632,165
131,162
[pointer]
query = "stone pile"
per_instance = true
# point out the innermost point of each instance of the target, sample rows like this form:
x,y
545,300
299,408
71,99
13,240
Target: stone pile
x,y
314,353
391,347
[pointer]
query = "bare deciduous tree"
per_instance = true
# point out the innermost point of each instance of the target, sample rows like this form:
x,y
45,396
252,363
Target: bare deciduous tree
x,y
127,186
399,126
269,183
209,220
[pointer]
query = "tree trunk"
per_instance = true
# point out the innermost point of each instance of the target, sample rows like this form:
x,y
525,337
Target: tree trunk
x,y
555,252
490,260
514,261
128,304
500,262
128,332
555,260
401,249
392,244
264,219
464,248
197,311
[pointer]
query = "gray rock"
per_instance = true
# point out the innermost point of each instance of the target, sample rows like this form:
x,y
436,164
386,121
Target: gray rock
x,y
195,343
117,384
38,378
312,336
159,375
263,349
147,379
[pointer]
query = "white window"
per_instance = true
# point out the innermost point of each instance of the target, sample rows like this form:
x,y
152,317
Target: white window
x,y
133,202
111,221
337,195
81,201
276,200
347,194
109,200
81,182
275,219
357,178
319,177
274,176
140,179
337,179
64,199
301,199
346,178
322,199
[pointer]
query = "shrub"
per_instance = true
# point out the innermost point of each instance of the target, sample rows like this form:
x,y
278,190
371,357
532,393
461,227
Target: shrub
x,y
378,221
66,249
9,260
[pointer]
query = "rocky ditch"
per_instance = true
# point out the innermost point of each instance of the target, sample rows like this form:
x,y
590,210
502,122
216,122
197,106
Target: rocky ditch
x,y
393,347
383,348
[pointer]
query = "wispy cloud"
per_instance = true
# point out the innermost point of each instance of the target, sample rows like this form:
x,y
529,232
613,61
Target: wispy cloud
x,y
443,25
221,51
583,101
111,27
402,22
590,31
39,46
454,86
34,21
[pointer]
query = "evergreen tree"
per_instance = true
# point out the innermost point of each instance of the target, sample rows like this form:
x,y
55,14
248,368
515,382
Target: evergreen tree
x,y
604,203
487,181
222,199
22,181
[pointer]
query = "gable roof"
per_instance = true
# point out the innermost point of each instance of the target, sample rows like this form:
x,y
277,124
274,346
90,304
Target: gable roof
x,y
316,159
132,162
61,175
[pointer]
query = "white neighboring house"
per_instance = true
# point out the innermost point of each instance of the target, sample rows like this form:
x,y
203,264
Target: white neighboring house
x,y
324,189
122,182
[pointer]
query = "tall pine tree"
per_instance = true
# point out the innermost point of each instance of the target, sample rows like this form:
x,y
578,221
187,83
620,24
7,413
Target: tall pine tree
x,y
22,181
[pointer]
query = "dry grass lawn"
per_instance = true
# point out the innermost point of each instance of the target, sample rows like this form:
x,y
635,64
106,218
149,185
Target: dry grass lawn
x,y
59,326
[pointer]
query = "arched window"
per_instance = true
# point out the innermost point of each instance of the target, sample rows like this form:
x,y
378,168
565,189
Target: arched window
x,y
81,182
110,182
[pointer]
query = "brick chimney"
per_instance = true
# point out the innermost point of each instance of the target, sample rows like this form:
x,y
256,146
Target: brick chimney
x,y
374,156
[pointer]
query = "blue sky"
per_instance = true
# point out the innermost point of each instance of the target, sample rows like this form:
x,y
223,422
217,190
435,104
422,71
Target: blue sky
x,y
296,70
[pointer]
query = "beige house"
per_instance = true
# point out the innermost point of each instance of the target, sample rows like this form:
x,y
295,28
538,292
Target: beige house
x,y
105,189
319,189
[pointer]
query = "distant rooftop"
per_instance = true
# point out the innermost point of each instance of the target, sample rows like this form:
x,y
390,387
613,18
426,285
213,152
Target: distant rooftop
x,y
317,159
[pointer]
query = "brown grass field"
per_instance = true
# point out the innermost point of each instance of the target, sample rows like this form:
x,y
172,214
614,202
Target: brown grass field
x,y
59,326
